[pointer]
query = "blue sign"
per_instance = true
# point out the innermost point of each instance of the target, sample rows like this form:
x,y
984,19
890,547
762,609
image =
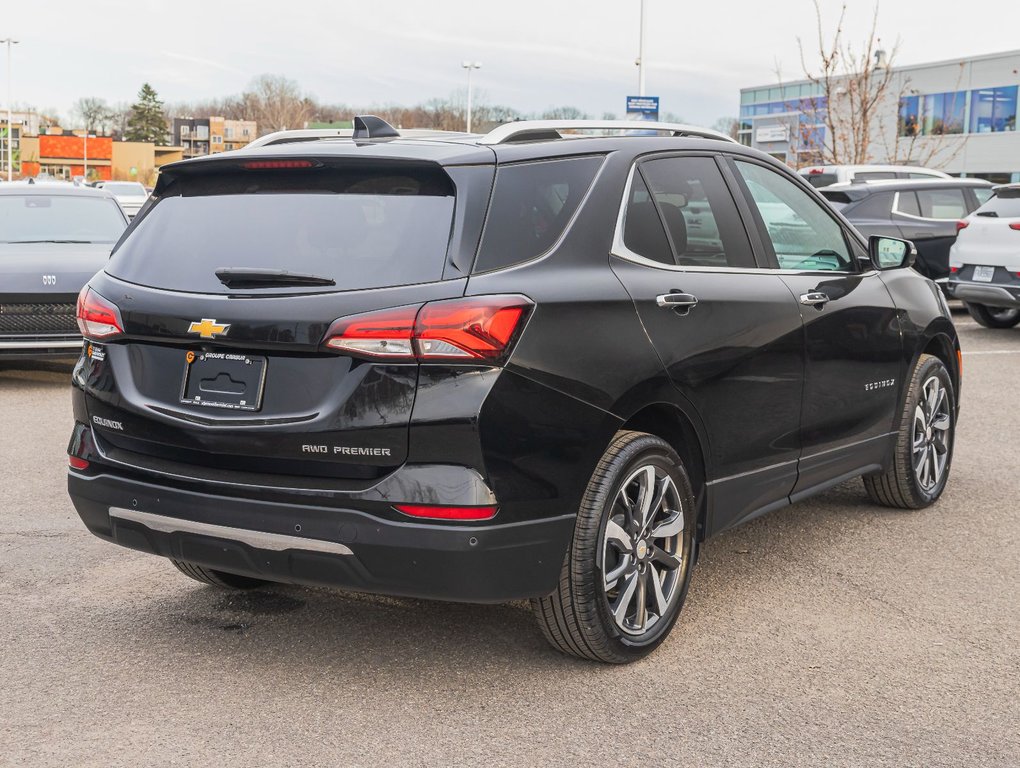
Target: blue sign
x,y
643,108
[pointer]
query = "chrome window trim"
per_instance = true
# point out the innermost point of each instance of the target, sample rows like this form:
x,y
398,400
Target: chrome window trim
x,y
621,251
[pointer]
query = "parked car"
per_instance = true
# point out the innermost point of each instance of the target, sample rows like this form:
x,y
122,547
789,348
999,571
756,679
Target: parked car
x,y
826,175
130,194
485,368
53,238
984,262
922,211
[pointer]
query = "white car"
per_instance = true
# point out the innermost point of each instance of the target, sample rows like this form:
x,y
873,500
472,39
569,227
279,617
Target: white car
x,y
130,194
826,175
984,262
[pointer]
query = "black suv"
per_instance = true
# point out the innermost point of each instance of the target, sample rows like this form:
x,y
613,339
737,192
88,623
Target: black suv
x,y
925,211
532,364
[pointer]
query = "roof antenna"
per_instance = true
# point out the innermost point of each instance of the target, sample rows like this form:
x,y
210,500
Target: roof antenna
x,y
372,127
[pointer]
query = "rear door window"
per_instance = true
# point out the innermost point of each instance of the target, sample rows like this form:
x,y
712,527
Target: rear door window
x,y
362,228
531,205
942,203
873,207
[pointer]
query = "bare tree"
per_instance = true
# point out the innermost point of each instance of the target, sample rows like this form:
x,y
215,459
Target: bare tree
x,y
854,83
276,103
727,125
94,114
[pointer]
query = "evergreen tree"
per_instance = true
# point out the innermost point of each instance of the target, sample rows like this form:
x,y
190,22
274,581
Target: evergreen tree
x,y
147,121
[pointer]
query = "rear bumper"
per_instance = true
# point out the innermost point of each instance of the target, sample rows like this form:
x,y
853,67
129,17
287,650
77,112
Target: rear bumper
x,y
326,546
984,293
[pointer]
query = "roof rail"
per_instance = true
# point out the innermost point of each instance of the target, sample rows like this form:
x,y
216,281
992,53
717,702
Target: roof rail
x,y
538,130
309,134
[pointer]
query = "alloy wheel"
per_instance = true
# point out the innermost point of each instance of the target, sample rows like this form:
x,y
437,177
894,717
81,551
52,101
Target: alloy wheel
x,y
643,551
931,435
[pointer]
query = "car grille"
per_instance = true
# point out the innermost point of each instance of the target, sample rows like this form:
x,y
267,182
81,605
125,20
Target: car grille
x,y
37,318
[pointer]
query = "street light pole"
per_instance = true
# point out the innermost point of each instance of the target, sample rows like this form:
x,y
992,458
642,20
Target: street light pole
x,y
641,52
10,118
469,65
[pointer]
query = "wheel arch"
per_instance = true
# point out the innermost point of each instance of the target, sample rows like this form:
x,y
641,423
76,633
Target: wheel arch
x,y
669,422
940,340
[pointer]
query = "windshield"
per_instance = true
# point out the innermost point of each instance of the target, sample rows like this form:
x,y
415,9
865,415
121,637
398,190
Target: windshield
x,y
124,188
359,229
59,218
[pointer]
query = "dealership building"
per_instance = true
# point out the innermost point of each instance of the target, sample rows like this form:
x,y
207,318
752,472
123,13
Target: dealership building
x,y
957,115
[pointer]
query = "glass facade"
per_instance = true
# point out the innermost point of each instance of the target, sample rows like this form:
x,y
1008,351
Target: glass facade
x,y
993,109
943,113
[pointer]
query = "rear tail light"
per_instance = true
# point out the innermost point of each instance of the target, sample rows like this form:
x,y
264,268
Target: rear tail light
x,y
477,328
962,225
75,463
954,270
97,317
275,165
1015,225
436,512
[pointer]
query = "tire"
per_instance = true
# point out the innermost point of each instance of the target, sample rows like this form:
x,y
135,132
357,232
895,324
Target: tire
x,y
994,317
923,454
613,562
220,579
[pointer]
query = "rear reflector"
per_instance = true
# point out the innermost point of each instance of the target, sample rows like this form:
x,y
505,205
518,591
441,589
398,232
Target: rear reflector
x,y
97,317
446,513
75,463
472,329
272,165
962,225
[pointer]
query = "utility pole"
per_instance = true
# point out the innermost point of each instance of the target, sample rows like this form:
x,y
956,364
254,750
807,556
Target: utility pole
x,y
10,118
641,52
469,65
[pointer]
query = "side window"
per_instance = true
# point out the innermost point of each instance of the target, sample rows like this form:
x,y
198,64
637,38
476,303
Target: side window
x,y
907,203
874,175
643,232
914,175
803,234
530,207
983,195
942,203
874,206
700,216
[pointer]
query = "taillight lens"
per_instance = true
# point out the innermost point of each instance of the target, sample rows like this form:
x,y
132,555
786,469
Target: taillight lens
x,y
436,512
962,225
954,270
375,334
477,328
97,317
75,463
1015,225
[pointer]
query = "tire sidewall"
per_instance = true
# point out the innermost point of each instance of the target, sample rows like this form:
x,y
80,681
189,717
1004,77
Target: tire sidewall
x,y
924,371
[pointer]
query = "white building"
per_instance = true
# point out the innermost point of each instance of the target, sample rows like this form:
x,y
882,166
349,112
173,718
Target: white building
x,y
957,115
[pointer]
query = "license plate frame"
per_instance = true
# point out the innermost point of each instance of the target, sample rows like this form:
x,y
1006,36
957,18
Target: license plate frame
x,y
239,369
983,274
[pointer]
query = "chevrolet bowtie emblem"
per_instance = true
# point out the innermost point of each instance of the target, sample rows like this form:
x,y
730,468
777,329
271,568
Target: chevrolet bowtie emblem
x,y
208,329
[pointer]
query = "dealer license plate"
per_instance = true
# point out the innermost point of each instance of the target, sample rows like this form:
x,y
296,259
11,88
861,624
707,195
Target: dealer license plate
x,y
223,380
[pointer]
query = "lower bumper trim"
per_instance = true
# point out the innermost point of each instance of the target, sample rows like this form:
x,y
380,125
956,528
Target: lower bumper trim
x,y
276,542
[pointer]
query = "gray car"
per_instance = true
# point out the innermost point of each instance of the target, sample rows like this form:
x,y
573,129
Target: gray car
x,y
53,238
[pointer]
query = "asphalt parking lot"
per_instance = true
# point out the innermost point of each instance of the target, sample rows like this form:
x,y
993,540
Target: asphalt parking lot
x,y
830,633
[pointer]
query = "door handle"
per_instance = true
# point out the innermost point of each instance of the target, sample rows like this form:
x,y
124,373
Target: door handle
x,y
815,299
677,300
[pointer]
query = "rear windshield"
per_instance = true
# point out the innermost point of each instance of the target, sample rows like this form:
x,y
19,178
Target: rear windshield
x,y
124,188
821,179
362,228
1001,207
59,218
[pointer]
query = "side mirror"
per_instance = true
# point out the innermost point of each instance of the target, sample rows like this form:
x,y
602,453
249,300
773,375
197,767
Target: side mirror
x,y
891,252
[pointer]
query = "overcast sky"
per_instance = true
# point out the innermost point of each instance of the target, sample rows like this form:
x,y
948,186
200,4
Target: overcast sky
x,y
536,54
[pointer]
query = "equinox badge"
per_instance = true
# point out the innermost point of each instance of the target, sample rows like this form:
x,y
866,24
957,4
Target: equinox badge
x,y
208,329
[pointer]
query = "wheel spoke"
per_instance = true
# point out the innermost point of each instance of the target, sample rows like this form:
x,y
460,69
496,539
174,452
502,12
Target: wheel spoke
x,y
936,473
614,575
616,535
669,528
941,422
932,396
623,600
660,598
641,599
646,481
659,555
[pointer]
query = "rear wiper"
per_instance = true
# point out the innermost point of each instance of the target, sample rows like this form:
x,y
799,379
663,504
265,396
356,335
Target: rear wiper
x,y
989,214
242,277
21,242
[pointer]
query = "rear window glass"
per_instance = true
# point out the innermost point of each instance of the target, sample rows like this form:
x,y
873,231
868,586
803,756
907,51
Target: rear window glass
x,y
124,188
1001,207
817,180
531,206
59,218
362,228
